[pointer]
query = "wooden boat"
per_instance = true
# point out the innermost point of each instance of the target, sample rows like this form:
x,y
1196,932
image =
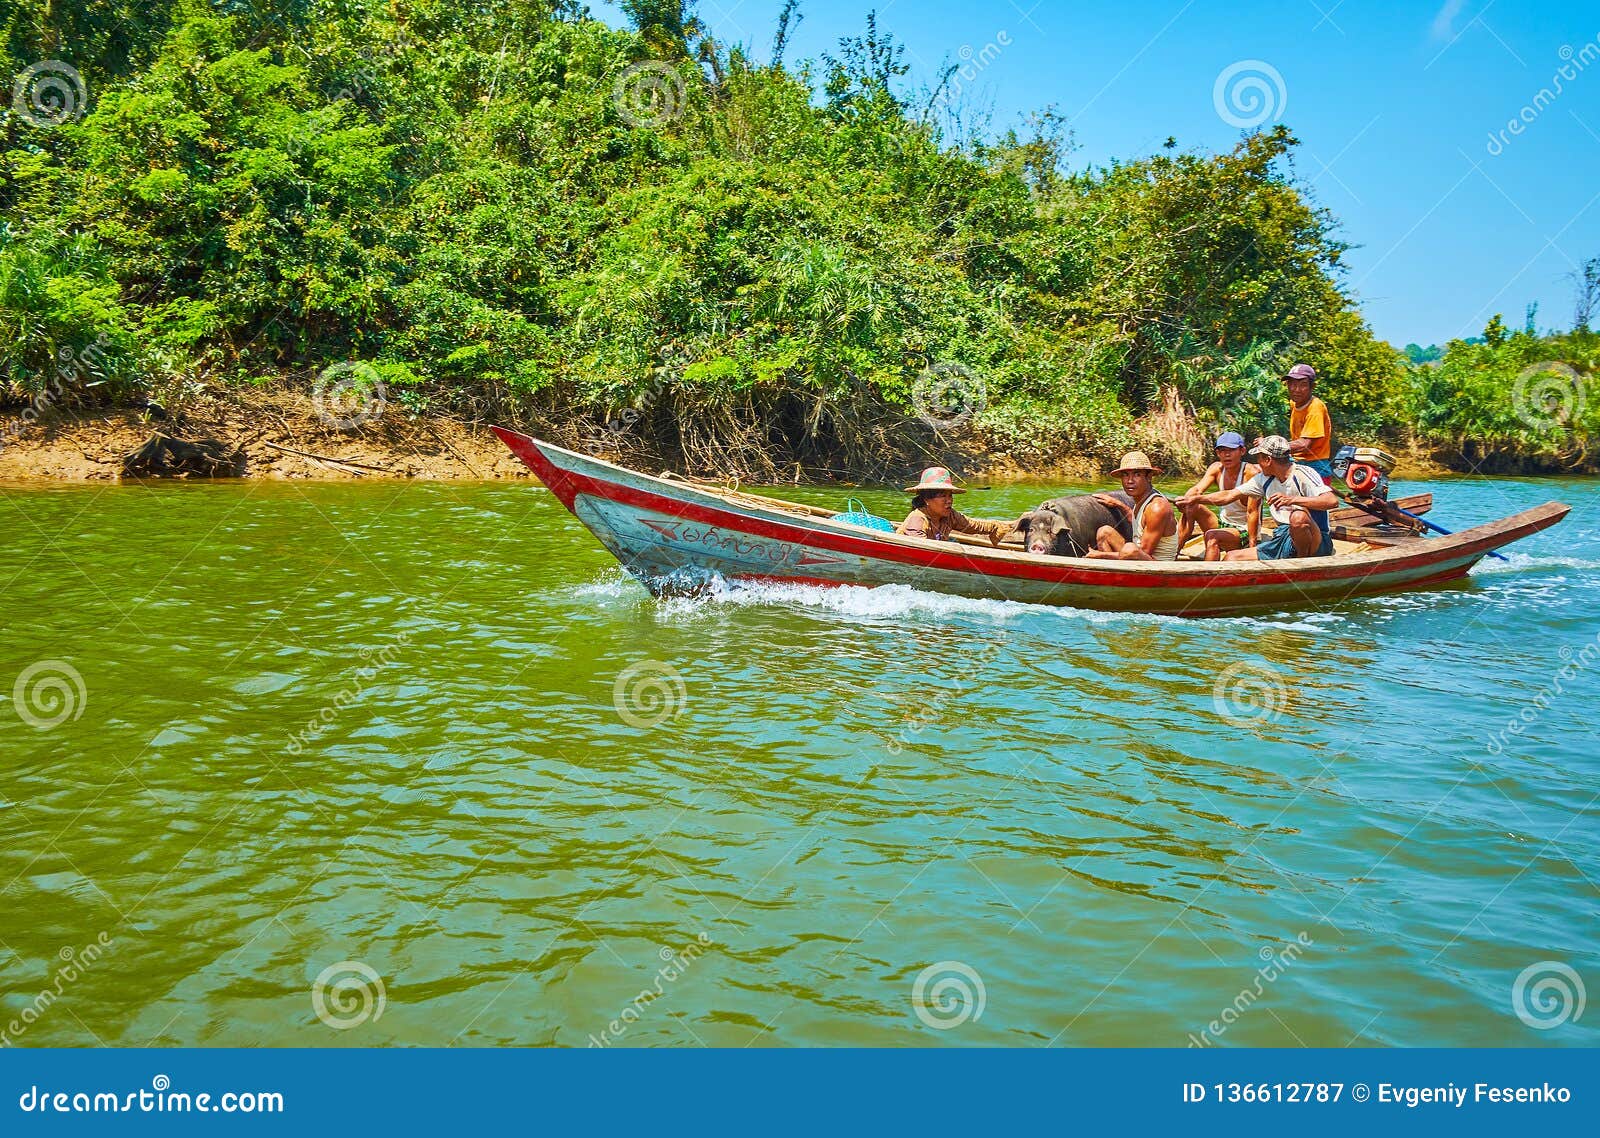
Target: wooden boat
x,y
676,536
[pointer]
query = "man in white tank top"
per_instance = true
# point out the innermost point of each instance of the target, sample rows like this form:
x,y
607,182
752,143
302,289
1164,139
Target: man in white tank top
x,y
1233,526
1155,524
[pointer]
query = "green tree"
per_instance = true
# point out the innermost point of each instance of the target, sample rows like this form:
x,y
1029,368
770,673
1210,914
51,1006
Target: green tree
x,y
759,264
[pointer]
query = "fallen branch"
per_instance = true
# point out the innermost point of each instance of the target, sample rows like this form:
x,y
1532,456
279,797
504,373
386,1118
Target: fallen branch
x,y
354,467
162,456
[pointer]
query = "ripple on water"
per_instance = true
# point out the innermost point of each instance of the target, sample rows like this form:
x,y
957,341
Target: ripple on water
x,y
415,756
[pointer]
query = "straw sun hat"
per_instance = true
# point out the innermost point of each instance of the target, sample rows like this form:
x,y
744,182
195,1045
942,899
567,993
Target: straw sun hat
x,y
1136,460
935,478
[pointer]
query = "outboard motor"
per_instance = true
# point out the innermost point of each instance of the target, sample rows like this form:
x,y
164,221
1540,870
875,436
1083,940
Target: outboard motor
x,y
1365,470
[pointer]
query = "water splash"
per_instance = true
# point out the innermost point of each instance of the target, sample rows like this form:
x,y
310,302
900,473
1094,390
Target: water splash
x,y
1522,562
880,603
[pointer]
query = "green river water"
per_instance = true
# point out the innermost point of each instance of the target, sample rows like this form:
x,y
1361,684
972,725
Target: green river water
x,y
368,764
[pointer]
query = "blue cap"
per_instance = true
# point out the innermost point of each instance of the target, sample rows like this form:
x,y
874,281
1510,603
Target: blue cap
x,y
1230,439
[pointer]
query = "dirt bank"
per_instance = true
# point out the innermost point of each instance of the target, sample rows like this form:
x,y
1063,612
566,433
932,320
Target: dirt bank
x,y
287,434
261,435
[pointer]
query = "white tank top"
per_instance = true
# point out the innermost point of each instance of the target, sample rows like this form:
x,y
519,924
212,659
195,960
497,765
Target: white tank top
x,y
1167,548
1237,513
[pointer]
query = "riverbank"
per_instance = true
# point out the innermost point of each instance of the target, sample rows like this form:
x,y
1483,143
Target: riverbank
x,y
272,435
282,434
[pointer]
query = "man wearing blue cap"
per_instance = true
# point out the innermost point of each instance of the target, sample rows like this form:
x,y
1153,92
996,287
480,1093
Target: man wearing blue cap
x,y
1238,523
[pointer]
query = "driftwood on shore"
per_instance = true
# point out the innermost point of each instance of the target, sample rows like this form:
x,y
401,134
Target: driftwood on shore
x,y
163,456
339,463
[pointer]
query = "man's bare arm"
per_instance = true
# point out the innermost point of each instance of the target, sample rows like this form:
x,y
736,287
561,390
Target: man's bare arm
x,y
1212,474
1216,498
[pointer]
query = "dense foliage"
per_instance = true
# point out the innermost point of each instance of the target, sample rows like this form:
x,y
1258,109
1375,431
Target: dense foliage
x,y
1513,400
509,208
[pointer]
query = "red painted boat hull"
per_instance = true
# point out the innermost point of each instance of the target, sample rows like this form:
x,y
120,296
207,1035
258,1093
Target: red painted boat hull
x,y
674,537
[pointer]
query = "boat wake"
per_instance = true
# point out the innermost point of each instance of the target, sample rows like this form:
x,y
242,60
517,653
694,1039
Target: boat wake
x,y
613,584
880,602
894,603
1523,562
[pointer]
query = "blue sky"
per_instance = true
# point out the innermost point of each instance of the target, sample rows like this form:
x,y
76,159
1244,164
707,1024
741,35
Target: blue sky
x,y
1397,105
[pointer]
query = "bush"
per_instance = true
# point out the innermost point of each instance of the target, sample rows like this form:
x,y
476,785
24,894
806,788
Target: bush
x,y
1512,397
64,334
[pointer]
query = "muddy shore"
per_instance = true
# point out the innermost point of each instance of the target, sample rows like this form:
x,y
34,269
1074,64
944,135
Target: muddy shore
x,y
285,435
279,435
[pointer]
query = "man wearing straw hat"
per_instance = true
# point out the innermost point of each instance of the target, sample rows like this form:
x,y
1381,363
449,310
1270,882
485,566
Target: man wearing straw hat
x,y
1155,525
934,516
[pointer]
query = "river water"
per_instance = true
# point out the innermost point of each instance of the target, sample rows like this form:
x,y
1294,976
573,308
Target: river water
x,y
366,764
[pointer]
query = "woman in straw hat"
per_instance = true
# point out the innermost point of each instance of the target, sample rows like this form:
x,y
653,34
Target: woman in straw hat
x,y
934,516
1155,525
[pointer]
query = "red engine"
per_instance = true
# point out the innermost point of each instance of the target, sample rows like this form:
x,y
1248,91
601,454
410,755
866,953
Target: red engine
x,y
1364,478
1365,470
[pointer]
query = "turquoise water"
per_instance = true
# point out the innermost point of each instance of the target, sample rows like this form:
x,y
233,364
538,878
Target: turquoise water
x,y
425,741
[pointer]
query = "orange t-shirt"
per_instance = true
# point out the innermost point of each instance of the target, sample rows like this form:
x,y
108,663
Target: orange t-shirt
x,y
1311,422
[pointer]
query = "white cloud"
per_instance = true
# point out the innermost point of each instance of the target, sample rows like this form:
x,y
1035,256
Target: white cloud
x,y
1444,21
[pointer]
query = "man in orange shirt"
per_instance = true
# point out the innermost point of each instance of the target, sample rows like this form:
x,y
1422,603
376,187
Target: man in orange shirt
x,y
1310,428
